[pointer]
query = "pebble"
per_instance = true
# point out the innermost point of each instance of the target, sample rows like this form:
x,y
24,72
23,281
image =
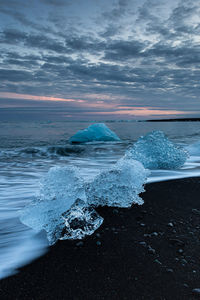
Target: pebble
x,y
157,261
180,251
151,250
184,261
79,244
170,224
196,291
143,244
170,270
154,234
98,243
176,259
196,211
176,242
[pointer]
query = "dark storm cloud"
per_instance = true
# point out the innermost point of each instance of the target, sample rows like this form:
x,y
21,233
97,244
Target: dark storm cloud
x,y
12,36
15,75
147,49
122,50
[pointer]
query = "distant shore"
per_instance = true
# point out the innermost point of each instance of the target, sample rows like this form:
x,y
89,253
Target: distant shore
x,y
145,252
175,120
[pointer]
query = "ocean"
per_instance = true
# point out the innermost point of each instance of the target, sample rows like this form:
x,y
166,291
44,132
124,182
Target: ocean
x,y
29,149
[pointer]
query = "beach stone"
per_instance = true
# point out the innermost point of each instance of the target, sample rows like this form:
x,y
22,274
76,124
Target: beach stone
x,y
143,244
154,234
176,259
176,242
180,251
151,250
157,261
196,211
170,270
79,244
196,291
184,261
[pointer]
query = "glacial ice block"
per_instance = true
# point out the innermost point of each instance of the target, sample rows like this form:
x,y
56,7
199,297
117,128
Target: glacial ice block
x,y
95,132
119,186
79,221
61,187
155,151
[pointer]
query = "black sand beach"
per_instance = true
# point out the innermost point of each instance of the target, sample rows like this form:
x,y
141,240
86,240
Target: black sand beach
x,y
146,252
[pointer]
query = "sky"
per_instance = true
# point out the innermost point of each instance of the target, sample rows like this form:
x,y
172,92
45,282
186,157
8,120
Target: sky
x,y
100,59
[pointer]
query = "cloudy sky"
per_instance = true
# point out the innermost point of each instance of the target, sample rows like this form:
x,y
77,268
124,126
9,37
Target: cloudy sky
x,y
100,59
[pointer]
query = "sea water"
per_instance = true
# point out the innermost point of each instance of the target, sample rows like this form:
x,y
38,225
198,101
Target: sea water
x,y
28,150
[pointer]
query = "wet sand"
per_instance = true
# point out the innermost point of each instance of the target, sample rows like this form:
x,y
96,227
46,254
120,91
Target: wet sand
x,y
145,252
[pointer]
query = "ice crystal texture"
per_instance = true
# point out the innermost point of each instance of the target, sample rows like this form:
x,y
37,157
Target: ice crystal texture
x,y
61,187
95,132
79,221
119,186
155,151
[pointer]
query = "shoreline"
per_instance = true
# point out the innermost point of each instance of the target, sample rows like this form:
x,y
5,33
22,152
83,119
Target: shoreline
x,y
144,252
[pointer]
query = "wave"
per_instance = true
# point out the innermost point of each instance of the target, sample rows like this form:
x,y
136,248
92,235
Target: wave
x,y
42,152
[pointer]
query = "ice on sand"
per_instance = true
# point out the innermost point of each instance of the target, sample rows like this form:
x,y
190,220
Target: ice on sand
x,y
119,186
155,151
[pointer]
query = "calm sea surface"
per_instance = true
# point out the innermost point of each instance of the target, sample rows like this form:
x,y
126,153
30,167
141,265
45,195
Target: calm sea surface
x,y
28,150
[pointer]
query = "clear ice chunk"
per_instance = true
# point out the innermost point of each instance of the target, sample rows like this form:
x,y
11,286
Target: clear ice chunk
x,y
95,132
155,151
61,187
79,221
119,186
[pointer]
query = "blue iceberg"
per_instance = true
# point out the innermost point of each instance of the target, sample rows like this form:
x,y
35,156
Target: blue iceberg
x,y
155,151
119,186
95,132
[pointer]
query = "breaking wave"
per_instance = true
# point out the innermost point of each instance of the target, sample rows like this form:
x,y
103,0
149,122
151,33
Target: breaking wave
x,y
42,152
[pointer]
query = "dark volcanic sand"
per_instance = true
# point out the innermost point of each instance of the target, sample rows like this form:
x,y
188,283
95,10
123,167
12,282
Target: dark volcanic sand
x,y
146,252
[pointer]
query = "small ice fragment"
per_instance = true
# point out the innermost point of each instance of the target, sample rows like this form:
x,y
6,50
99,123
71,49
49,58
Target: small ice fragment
x,y
95,132
79,221
119,186
155,151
